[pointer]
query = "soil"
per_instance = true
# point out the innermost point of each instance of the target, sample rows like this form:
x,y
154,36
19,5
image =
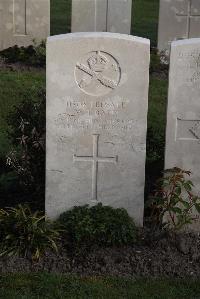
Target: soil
x,y
165,255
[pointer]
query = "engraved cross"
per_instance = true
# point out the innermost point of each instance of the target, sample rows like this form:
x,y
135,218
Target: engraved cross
x,y
189,16
95,159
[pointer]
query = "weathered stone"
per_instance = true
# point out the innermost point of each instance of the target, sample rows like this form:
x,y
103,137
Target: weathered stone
x,y
183,115
97,91
178,19
101,15
22,21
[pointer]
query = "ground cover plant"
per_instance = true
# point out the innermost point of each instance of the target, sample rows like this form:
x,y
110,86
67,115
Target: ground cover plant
x,y
27,134
26,234
34,55
99,225
15,88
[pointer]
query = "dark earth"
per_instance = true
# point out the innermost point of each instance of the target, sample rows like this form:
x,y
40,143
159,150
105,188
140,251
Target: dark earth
x,y
161,255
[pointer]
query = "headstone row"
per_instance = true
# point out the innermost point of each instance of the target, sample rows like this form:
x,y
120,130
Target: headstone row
x,y
22,21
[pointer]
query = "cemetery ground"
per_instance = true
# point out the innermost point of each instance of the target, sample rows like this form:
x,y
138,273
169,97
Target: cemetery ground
x,y
155,255
63,286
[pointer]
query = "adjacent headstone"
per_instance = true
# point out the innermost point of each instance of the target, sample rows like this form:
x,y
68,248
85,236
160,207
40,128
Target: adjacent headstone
x,y
183,116
97,94
22,21
101,16
178,19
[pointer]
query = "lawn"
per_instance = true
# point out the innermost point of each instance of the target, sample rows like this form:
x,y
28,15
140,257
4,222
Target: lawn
x,y
14,87
40,286
145,19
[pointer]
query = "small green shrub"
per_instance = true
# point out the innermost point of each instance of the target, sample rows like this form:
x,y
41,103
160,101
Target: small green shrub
x,y
159,63
34,55
27,155
25,233
98,225
174,204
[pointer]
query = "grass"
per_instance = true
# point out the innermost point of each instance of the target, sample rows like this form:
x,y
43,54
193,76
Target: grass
x,y
60,16
14,87
145,19
40,286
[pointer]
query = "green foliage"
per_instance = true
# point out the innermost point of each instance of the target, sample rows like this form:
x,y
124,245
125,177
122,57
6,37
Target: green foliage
x,y
60,16
98,225
32,55
15,87
174,201
159,64
27,135
25,233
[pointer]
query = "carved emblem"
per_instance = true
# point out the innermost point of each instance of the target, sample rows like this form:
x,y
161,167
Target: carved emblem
x,y
97,73
195,130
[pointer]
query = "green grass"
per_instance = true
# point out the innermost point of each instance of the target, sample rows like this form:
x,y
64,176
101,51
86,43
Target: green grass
x,y
145,19
157,104
47,286
14,87
60,16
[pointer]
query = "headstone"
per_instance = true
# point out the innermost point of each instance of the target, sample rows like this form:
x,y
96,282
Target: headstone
x,y
101,16
178,19
22,21
97,94
183,116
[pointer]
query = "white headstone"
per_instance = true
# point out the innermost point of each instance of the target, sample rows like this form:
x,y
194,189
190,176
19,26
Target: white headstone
x,y
101,16
22,21
183,115
178,19
97,94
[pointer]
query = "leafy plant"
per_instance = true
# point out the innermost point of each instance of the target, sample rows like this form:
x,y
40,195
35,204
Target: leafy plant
x,y
25,233
159,63
173,202
34,55
98,225
27,134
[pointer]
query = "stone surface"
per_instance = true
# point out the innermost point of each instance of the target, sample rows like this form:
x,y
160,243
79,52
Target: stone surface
x,y
183,115
178,19
97,94
21,21
101,15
